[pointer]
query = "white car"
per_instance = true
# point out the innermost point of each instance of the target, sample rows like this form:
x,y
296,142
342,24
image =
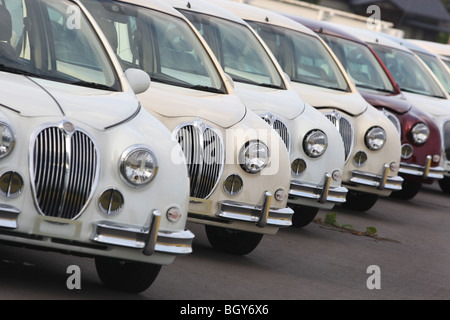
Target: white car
x,y
419,85
84,169
238,165
371,141
315,147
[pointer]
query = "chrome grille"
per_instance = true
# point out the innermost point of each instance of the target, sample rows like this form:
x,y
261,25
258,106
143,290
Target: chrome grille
x,y
204,153
280,128
446,133
64,172
394,120
345,128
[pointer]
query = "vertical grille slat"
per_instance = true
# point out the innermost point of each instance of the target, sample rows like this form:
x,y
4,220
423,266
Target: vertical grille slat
x,y
446,139
345,129
280,128
64,172
203,150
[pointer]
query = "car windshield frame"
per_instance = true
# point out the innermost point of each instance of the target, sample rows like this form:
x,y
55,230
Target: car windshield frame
x,y
438,68
239,51
163,45
397,71
54,40
302,56
361,64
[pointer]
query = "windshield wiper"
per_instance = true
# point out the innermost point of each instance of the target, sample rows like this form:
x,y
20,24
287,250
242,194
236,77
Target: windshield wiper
x,y
374,88
269,85
17,71
205,88
93,85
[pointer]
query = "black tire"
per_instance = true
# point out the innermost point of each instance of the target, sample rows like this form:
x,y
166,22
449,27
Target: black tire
x,y
232,241
409,190
359,201
445,184
128,276
303,215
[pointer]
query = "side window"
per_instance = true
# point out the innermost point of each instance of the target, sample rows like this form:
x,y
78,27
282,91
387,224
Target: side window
x,y
19,39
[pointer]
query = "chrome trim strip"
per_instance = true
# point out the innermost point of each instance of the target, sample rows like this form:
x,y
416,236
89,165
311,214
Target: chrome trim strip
x,y
261,214
381,182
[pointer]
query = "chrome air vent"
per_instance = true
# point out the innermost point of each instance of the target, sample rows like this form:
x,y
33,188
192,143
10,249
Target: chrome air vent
x,y
205,155
64,170
394,120
345,128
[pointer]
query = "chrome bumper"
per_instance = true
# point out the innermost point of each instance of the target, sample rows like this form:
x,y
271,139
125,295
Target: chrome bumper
x,y
260,214
150,238
425,172
381,182
320,193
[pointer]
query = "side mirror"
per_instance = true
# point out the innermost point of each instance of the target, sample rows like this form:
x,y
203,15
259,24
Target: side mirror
x,y
139,80
229,80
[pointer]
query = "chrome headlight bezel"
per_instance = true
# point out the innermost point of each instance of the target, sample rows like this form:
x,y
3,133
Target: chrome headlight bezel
x,y
420,132
252,162
131,168
8,139
315,143
375,138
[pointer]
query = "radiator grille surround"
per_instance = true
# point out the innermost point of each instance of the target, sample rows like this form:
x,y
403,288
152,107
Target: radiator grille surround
x,y
345,128
64,170
204,151
280,127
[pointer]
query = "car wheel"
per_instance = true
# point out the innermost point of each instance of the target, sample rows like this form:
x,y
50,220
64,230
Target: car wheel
x,y
126,276
359,201
445,184
409,190
232,241
303,215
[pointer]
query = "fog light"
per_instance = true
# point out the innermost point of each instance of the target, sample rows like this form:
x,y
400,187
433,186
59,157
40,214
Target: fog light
x,y
233,184
336,175
360,158
437,158
111,202
11,184
407,151
280,195
298,166
393,166
173,214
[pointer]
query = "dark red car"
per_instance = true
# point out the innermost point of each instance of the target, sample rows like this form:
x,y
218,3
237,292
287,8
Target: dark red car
x,y
420,136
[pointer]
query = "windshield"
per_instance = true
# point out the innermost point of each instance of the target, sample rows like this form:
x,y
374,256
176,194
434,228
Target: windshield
x,y
408,72
162,45
360,63
240,53
52,39
438,68
303,57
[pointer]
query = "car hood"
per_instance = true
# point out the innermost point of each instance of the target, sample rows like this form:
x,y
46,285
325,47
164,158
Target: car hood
x,y
436,107
42,98
286,103
350,102
396,103
225,110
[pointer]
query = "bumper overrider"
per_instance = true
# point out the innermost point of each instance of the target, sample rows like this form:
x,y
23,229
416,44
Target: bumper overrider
x,y
321,193
261,214
381,182
425,172
149,239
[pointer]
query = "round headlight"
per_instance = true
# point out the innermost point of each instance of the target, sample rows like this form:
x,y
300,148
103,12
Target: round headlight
x,y
315,143
375,138
420,133
7,140
254,156
138,166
